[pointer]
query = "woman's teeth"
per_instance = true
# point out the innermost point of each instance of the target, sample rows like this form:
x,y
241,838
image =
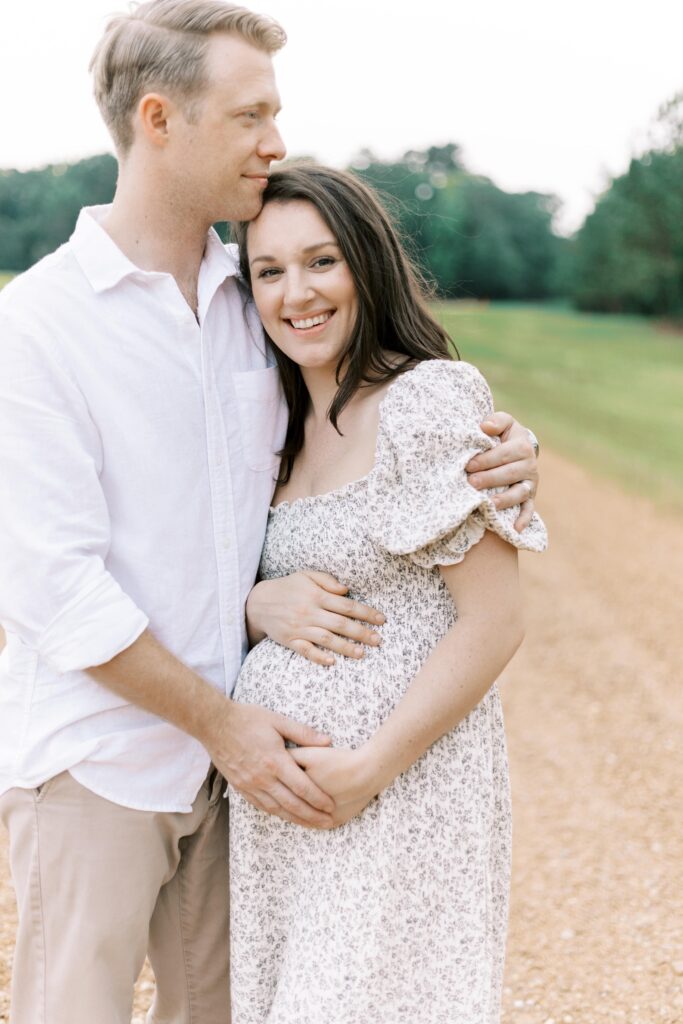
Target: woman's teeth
x,y
311,322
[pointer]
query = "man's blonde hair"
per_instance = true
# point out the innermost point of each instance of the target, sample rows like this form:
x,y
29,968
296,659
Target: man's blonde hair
x,y
161,45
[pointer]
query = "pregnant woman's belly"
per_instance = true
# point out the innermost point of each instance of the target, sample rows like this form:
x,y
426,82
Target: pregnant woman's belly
x,y
351,699
348,700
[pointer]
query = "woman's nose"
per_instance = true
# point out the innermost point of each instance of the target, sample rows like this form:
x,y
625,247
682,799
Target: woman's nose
x,y
298,291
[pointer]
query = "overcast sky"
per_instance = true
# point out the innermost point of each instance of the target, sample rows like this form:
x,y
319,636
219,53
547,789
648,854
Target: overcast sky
x,y
551,95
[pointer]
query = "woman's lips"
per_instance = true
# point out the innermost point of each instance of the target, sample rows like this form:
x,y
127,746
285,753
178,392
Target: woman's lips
x,y
310,324
310,321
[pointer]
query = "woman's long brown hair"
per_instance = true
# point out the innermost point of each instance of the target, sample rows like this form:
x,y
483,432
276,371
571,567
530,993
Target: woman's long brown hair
x,y
392,309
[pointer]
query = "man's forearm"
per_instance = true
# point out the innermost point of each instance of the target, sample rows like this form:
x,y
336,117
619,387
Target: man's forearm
x,y
149,676
245,742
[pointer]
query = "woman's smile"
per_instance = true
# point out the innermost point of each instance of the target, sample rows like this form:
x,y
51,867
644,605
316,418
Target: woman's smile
x,y
313,323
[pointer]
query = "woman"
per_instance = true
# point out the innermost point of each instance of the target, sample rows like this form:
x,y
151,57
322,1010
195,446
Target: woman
x,y
399,913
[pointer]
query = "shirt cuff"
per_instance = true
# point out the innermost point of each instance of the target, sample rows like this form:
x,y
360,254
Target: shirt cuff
x,y
95,626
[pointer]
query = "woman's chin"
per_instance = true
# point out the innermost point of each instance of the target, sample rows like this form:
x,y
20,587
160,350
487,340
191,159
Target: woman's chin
x,y
310,360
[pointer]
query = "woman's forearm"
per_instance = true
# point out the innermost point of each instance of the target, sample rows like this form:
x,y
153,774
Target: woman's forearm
x,y
454,679
463,666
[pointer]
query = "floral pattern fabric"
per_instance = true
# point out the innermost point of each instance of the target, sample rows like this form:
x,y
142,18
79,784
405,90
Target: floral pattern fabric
x,y
399,916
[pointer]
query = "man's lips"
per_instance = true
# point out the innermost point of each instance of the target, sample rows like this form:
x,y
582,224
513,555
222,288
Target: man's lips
x,y
260,179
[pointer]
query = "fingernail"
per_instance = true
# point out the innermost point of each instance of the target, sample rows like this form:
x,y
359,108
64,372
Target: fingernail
x,y
375,640
380,620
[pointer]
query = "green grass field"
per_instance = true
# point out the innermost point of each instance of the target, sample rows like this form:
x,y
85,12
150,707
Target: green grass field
x,y
607,391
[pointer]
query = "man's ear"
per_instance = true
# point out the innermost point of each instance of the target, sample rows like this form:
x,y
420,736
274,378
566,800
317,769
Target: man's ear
x,y
153,114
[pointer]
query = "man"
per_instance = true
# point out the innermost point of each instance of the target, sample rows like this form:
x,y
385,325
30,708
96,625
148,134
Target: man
x,y
139,420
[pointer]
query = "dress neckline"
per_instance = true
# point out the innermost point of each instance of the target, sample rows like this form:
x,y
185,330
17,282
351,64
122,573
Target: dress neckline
x,y
307,499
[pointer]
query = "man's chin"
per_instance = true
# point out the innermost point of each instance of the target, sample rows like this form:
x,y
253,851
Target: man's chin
x,y
247,209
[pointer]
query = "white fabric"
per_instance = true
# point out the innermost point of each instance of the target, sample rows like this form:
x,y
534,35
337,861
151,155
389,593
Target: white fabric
x,y
137,457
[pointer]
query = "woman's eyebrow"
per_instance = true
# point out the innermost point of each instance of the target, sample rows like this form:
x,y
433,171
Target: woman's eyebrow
x,y
305,250
320,245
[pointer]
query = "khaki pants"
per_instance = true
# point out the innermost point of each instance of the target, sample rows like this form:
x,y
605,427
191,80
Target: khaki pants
x,y
98,886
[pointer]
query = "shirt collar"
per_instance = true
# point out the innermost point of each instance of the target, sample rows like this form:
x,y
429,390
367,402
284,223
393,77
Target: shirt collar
x,y
105,266
218,264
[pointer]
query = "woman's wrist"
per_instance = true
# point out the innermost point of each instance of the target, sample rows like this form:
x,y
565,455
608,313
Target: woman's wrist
x,y
378,768
254,631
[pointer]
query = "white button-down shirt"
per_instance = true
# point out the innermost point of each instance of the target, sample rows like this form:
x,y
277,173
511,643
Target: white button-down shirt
x,y
137,459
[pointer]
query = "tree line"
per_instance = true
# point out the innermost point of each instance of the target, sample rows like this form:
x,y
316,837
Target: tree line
x,y
629,253
470,238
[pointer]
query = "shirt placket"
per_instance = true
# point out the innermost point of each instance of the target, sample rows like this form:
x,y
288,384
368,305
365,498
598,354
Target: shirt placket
x,y
223,513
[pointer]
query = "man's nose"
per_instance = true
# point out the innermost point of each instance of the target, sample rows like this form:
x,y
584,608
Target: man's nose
x,y
272,147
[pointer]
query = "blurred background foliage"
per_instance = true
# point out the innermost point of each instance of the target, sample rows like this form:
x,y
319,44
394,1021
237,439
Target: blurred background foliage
x,y
629,252
472,239
38,209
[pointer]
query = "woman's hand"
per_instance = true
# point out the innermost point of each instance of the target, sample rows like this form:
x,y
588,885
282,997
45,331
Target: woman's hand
x,y
345,775
309,613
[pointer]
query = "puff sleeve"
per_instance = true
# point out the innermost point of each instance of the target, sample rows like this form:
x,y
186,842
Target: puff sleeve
x,y
420,502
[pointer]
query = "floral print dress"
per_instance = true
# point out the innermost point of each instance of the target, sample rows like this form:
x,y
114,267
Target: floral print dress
x,y
398,916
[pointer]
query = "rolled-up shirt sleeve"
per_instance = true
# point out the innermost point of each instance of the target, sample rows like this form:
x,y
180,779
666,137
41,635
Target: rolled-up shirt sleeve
x,y
56,593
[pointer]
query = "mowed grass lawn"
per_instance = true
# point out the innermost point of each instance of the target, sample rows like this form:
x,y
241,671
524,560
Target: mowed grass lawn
x,y
607,391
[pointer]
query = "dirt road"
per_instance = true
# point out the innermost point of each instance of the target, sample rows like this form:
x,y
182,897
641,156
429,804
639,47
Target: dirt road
x,y
595,724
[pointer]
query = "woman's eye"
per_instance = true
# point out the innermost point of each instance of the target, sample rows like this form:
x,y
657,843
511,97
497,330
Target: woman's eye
x,y
268,272
324,261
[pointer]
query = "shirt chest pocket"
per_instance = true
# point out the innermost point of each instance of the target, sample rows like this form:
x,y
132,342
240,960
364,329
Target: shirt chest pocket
x,y
262,415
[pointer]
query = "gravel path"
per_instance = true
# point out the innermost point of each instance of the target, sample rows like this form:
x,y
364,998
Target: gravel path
x,y
595,720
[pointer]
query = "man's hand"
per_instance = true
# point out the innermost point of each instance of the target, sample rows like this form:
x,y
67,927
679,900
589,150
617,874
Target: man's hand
x,y
245,742
308,613
247,745
347,775
512,464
